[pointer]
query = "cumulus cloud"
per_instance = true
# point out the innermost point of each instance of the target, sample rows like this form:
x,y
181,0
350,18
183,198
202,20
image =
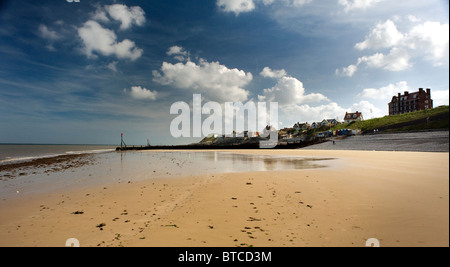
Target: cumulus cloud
x,y
308,113
128,16
216,81
242,6
368,110
429,41
236,6
433,39
138,92
383,35
178,52
440,98
269,73
350,5
347,71
97,39
384,93
288,90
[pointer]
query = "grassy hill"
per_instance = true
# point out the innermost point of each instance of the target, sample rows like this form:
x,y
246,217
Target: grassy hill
x,y
438,118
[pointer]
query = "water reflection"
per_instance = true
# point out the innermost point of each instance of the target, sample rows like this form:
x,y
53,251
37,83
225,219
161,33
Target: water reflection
x,y
269,163
193,163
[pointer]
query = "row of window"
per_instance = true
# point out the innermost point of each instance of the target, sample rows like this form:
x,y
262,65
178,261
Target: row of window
x,y
407,108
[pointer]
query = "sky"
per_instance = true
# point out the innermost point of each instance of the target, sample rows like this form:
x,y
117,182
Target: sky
x,y
84,72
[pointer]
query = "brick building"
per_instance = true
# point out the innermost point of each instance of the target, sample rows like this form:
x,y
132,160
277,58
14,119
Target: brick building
x,y
409,102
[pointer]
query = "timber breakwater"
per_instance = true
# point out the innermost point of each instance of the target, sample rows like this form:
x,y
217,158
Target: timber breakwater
x,y
231,143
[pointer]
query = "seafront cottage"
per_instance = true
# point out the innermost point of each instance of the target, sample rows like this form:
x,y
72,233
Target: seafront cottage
x,y
315,125
352,117
301,126
329,122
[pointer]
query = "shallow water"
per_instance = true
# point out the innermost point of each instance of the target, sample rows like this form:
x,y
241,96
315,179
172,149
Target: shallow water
x,y
141,165
13,153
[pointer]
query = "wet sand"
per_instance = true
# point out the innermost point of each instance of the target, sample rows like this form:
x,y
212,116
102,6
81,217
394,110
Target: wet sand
x,y
400,198
47,164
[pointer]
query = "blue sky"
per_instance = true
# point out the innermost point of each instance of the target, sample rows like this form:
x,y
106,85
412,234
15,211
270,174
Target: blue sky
x,y
83,72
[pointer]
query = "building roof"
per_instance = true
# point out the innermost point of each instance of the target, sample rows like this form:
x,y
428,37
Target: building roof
x,y
410,96
353,116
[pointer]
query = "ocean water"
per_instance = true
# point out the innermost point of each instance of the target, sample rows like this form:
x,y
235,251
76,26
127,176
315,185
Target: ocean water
x,y
15,153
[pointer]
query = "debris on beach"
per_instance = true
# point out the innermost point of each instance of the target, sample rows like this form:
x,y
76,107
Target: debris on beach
x,y
78,212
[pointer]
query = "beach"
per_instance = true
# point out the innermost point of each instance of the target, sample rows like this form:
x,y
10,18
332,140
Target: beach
x,y
399,198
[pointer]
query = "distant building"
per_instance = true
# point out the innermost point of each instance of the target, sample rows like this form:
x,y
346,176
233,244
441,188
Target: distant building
x,y
351,117
301,126
329,122
409,102
315,125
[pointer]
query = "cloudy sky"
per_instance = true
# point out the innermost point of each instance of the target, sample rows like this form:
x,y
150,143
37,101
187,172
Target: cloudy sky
x,y
83,72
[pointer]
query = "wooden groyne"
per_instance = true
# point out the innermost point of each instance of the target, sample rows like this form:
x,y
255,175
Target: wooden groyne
x,y
281,145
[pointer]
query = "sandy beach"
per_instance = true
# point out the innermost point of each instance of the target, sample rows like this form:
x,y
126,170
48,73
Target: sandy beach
x,y
400,198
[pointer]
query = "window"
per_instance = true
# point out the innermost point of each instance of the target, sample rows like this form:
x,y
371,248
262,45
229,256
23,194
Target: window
x,y
354,116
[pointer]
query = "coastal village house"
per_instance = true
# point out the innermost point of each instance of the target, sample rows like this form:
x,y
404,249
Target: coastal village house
x,y
409,102
329,122
301,126
351,117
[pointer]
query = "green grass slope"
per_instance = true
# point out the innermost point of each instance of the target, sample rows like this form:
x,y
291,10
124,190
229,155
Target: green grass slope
x,y
438,118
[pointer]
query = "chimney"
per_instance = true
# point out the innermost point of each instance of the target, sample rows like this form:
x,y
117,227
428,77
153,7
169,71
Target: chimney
x,y
406,93
420,90
399,95
429,92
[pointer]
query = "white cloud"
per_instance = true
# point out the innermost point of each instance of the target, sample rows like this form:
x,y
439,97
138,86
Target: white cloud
x,y
97,39
368,110
429,41
288,90
236,6
307,113
396,60
351,5
128,16
242,6
299,3
100,15
382,36
433,39
138,92
440,98
217,82
347,71
269,73
48,34
178,52
385,93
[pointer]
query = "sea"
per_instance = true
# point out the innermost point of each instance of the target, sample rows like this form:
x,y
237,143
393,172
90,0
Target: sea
x,y
10,153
